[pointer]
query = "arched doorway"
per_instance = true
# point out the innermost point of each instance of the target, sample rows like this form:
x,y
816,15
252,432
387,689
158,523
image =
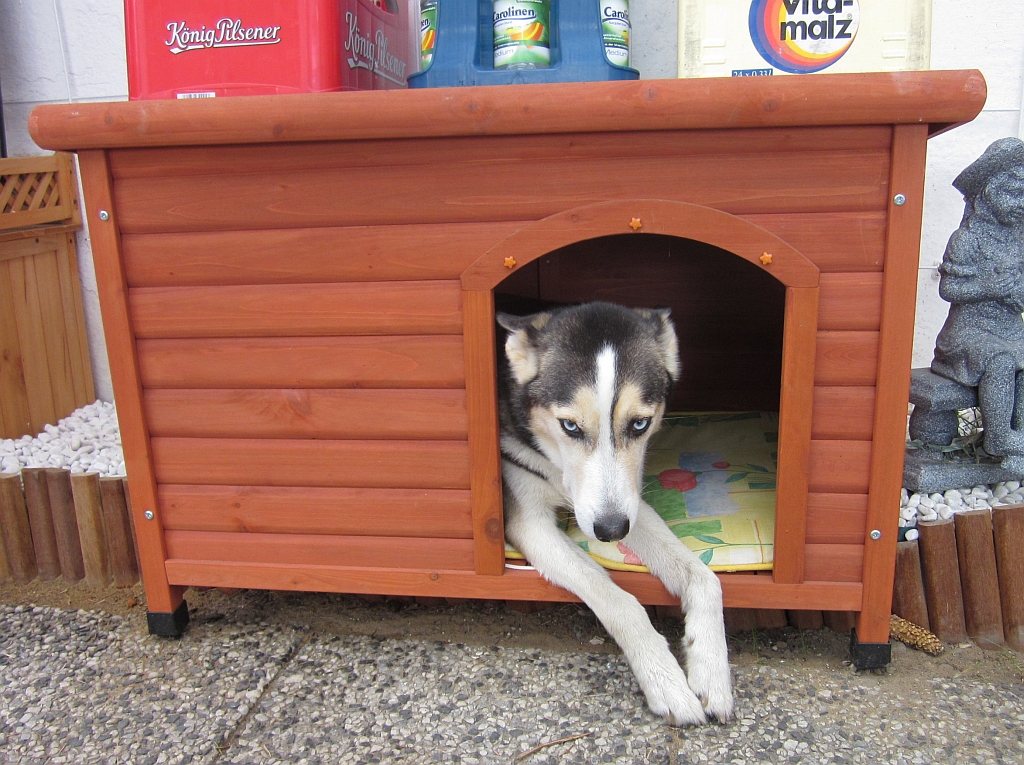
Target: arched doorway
x,y
728,313
705,238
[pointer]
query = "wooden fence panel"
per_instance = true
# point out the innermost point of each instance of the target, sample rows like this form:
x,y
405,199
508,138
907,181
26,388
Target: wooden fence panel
x,y
45,372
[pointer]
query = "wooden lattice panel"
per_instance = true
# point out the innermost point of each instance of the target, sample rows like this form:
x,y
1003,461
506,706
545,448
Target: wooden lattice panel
x,y
28,191
36,190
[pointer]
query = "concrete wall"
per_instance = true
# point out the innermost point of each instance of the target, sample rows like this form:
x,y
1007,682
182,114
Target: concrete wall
x,y
73,50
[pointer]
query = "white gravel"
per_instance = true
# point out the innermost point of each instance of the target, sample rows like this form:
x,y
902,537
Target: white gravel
x,y
86,441
930,507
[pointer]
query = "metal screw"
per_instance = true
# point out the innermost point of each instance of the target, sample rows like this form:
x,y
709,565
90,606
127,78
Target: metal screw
x,y
104,215
149,515
899,200
876,534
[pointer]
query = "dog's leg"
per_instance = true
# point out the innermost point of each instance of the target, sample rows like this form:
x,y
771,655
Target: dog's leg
x,y
562,562
700,592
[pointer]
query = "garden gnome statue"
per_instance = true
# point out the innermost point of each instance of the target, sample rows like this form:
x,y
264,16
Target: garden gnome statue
x,y
981,345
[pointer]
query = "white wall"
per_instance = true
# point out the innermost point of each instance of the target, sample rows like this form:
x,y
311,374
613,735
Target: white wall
x,y
986,35
655,38
56,51
73,50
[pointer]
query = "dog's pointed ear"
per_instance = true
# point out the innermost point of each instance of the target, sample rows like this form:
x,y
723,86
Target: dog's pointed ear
x,y
665,333
520,347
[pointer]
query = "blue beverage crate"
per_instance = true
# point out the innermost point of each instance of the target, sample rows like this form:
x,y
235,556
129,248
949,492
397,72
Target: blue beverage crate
x,y
464,52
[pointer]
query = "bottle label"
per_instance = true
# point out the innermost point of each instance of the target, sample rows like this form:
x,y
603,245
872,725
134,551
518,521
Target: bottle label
x,y
615,29
521,34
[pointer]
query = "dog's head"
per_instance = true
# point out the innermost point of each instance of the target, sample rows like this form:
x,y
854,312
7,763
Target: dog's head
x,y
595,379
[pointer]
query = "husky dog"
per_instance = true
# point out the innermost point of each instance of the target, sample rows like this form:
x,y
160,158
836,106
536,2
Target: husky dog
x,y
581,390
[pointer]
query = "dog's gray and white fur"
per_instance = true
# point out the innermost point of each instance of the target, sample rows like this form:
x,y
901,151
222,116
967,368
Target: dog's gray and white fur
x,y
581,390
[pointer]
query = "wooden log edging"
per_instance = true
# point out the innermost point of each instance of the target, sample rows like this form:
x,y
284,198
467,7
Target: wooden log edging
x,y
1008,524
89,513
17,534
976,552
40,519
65,524
57,524
969,574
941,573
908,599
118,532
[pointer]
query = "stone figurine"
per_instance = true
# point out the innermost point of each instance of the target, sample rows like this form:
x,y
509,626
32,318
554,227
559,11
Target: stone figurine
x,y
979,353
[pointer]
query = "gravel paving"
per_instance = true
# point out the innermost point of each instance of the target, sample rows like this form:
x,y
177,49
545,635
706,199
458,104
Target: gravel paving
x,y
810,716
365,700
91,687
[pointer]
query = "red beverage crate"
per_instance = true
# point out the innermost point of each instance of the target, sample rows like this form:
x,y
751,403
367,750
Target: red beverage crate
x,y
207,48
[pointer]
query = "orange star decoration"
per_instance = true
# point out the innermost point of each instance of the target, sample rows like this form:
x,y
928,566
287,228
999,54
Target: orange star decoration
x,y
766,258
635,224
510,262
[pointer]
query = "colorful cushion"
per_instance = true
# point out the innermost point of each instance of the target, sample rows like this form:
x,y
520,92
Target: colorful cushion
x,y
711,476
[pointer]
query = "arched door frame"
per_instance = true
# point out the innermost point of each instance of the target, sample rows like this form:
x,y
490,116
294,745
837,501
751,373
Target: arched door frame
x,y
728,232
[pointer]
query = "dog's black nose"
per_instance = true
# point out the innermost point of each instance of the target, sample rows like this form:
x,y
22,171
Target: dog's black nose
x,y
611,529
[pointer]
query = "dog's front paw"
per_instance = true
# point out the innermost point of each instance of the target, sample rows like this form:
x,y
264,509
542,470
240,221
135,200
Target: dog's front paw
x,y
678,705
711,682
669,696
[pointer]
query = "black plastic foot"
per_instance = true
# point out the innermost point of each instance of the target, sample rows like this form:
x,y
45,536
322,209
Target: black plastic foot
x,y
170,625
869,655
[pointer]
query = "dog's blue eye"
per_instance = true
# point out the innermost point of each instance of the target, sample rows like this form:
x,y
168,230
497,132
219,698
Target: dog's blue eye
x,y
639,426
570,427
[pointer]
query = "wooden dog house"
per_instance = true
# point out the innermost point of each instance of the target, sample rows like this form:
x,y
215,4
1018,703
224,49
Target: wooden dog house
x,y
298,297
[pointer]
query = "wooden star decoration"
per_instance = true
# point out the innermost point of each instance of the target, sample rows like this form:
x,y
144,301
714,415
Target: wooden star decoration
x,y
635,224
510,262
766,258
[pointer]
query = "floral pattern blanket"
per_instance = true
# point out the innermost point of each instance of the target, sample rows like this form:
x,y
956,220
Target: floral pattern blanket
x,y
711,476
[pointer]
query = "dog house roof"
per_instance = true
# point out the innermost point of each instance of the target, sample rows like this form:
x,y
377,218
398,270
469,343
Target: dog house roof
x,y
941,99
